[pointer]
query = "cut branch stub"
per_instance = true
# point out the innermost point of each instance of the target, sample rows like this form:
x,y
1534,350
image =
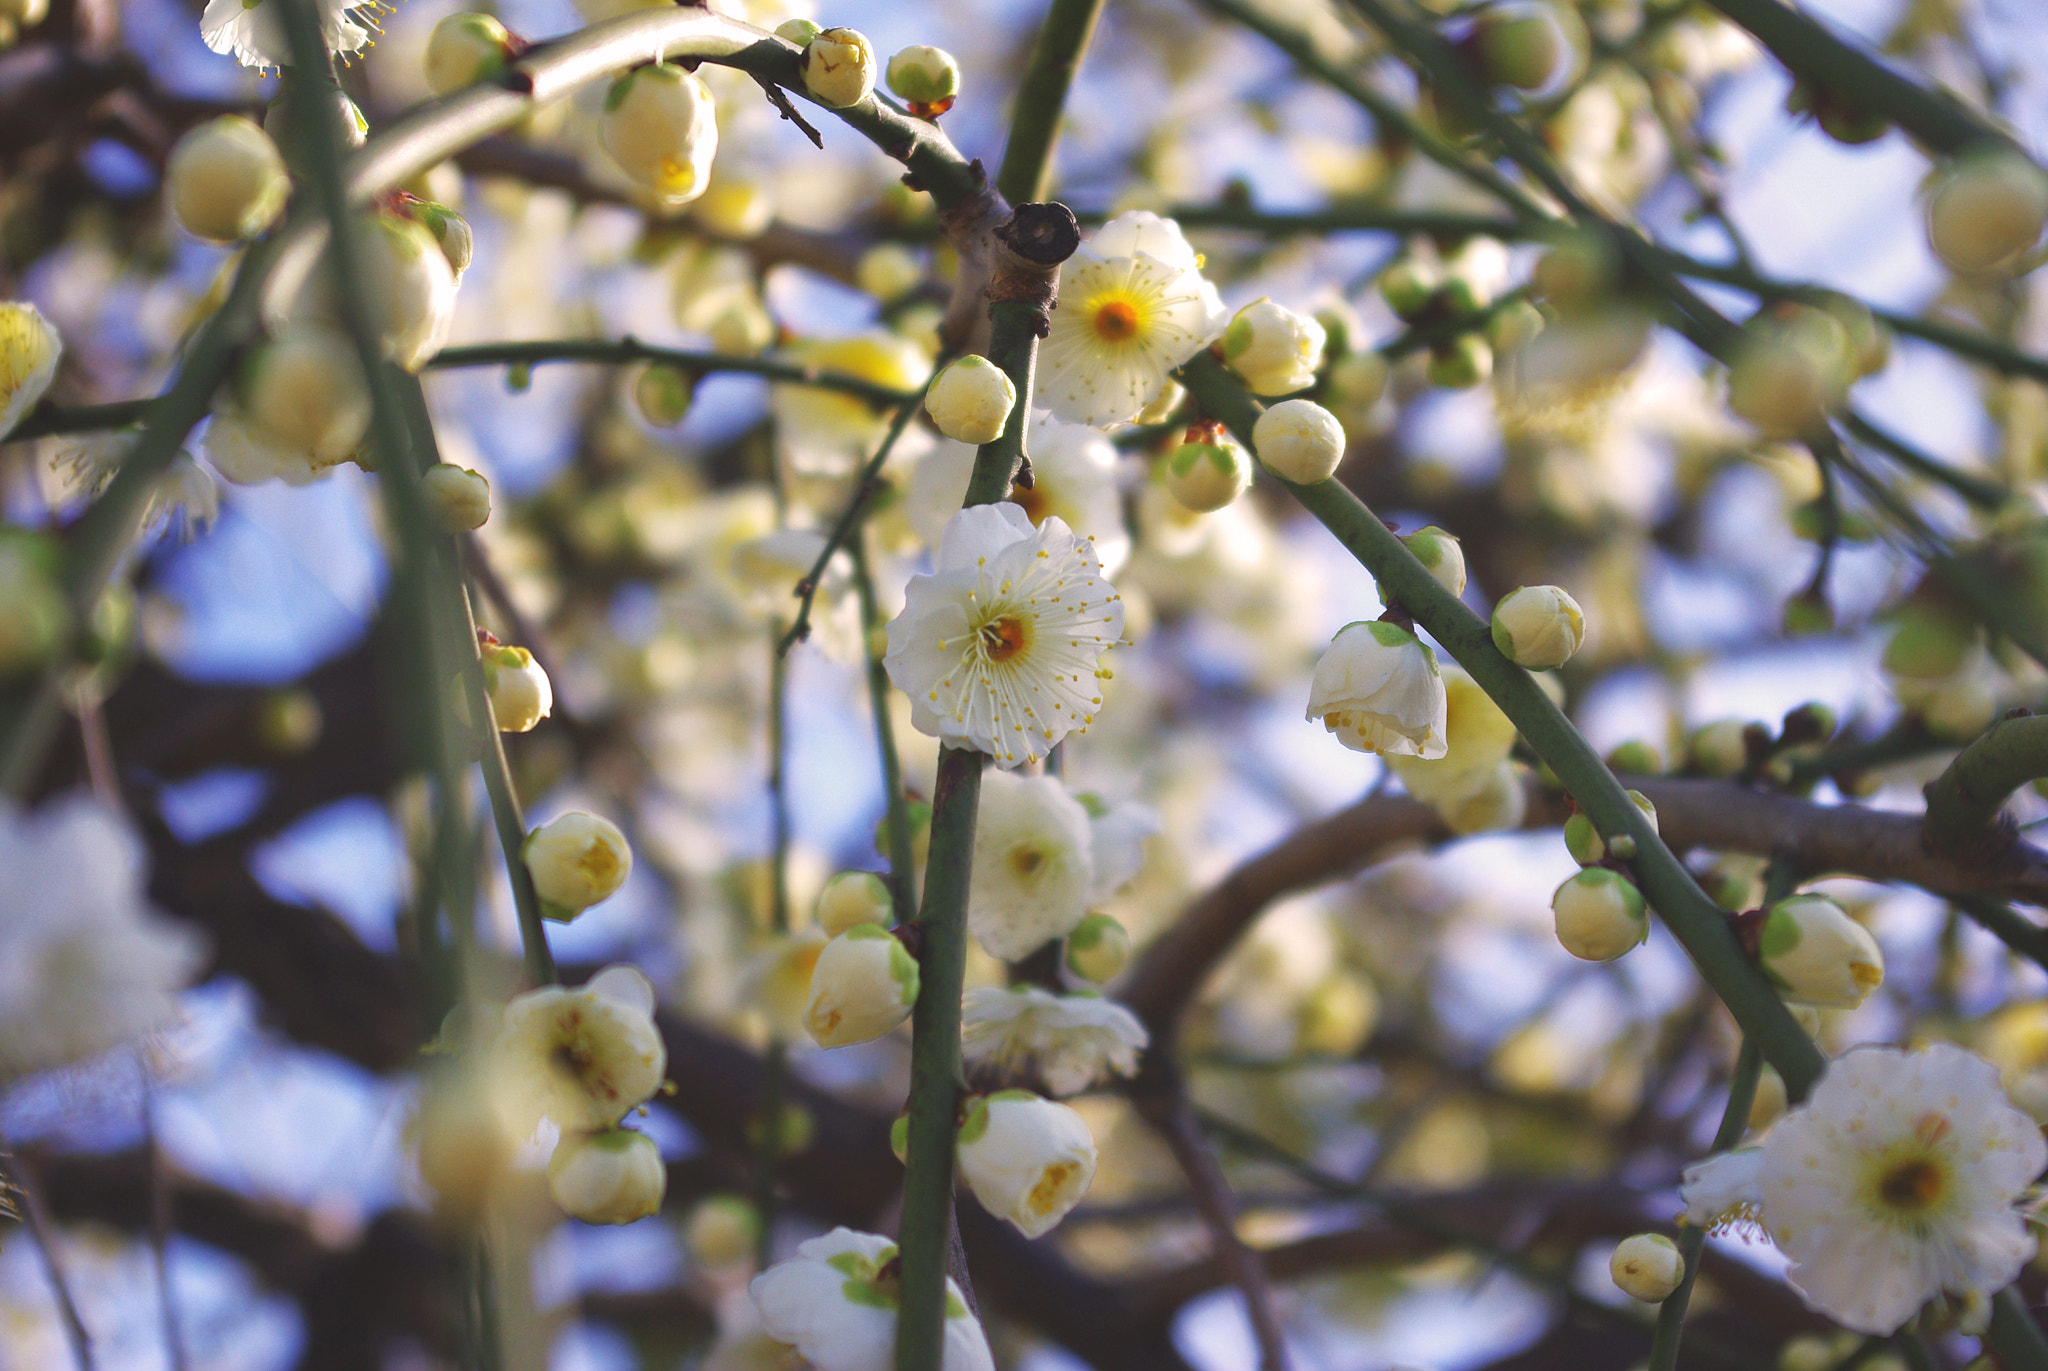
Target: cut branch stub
x,y
1031,245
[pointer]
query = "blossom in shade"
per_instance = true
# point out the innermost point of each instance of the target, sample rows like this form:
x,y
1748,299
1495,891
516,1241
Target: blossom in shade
x,y
583,1057
1071,1042
1133,306
997,649
1377,687
252,31
85,963
836,1300
1026,1159
1033,867
1894,1183
1073,478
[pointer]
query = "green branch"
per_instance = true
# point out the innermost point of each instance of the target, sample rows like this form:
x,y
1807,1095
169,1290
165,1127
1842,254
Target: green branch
x,y
896,822
48,421
1693,1240
1041,100
1965,802
1696,920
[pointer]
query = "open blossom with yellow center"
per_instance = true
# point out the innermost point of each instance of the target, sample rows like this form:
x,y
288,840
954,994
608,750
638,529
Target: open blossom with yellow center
x,y
997,649
583,1058
1893,1184
253,32
1133,306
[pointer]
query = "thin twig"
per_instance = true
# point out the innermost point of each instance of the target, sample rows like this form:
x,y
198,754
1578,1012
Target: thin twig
x,y
35,1214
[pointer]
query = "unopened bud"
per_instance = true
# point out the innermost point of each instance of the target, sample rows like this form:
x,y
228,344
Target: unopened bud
x,y
1206,476
521,695
839,68
1817,955
1719,749
1647,1266
853,898
465,49
1274,349
722,1232
659,125
864,984
1441,555
614,1176
1027,1159
1599,915
1300,441
662,394
1408,286
925,76
1989,211
1097,948
450,230
575,861
457,500
226,180
1635,758
1538,627
971,400
798,31
1588,848
1521,45
888,271
1460,364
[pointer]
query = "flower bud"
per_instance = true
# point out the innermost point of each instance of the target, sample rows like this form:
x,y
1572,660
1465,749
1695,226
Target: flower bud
x,y
306,392
1538,627
1441,554
1634,758
839,68
1206,476
971,400
575,861
1408,286
1599,915
615,1176
1928,644
1097,948
899,1138
457,500
1378,688
1989,211
1523,45
1461,364
465,49
1356,381
798,31
1502,802
1794,365
1647,1266
226,180
925,76
1274,349
1300,441
34,611
889,271
1719,749
853,898
662,394
659,125
29,349
1026,1159
521,695
1584,842
722,1232
864,984
1817,955
450,230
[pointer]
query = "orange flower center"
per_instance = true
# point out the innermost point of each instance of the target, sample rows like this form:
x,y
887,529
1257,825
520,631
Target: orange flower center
x,y
1002,639
1912,1184
1116,322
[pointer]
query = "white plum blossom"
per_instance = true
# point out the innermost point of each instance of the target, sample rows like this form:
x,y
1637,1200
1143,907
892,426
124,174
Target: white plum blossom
x,y
1377,687
1033,868
1026,1159
835,1305
613,1176
1071,1041
997,648
583,1058
252,31
863,984
29,349
1477,738
85,963
1133,306
1893,1184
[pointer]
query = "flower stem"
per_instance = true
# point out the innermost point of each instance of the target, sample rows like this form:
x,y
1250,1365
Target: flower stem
x,y
1041,99
896,822
1671,1314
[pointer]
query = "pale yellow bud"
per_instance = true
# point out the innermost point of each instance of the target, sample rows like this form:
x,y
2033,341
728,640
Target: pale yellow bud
x,y
1097,948
306,392
1442,554
662,394
888,271
465,49
457,499
1299,441
1274,349
722,1232
1817,955
1988,212
1206,476
864,984
226,180
575,861
971,400
1647,1267
839,68
1538,627
521,694
852,898
1599,915
660,126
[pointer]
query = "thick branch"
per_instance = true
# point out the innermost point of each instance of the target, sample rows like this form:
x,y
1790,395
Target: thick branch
x,y
1966,817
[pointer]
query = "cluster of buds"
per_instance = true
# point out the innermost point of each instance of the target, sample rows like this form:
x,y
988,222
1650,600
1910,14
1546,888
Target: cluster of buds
x,y
1423,291
1207,470
1588,848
